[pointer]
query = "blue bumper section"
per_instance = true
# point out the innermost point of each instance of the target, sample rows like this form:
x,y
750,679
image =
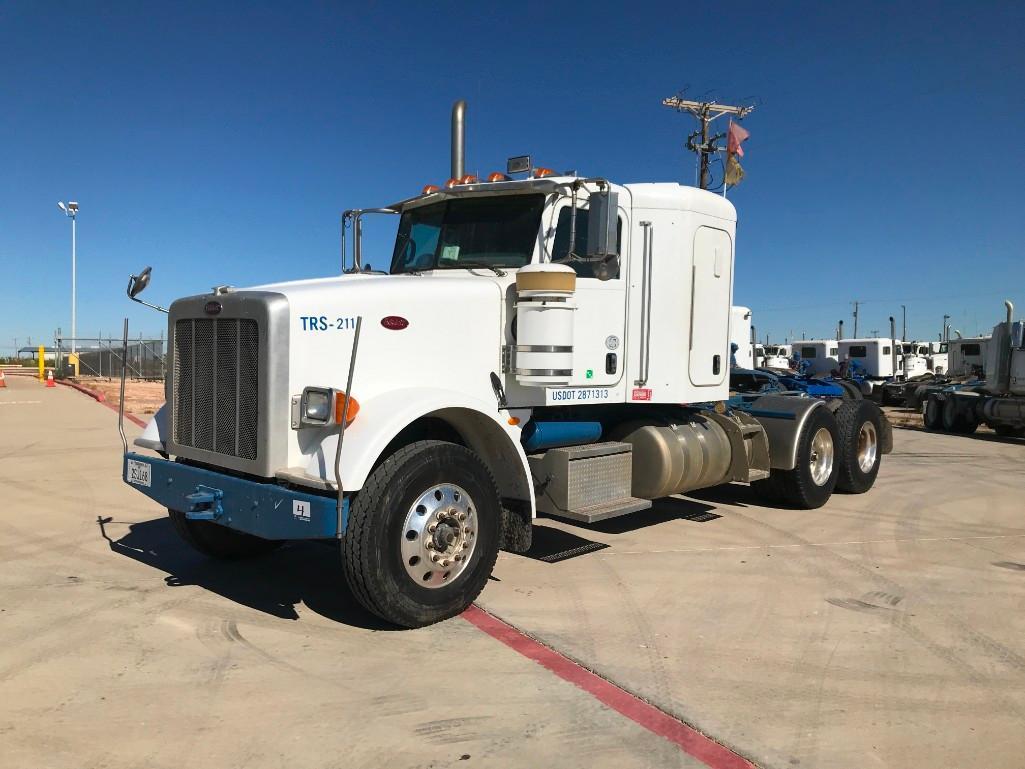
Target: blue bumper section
x,y
264,509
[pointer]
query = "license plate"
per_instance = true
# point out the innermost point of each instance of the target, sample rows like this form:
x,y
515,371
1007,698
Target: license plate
x,y
139,473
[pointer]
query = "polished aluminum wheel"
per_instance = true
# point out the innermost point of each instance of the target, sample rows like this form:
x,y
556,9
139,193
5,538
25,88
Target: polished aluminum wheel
x,y
868,447
821,457
439,535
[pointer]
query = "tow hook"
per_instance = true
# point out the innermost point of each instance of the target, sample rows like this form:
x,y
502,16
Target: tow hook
x,y
205,504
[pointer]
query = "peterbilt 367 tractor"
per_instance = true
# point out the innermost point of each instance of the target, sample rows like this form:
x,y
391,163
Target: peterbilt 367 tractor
x,y
546,344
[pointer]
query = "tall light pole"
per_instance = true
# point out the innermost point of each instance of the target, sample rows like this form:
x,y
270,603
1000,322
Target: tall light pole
x,y
904,328
71,210
946,334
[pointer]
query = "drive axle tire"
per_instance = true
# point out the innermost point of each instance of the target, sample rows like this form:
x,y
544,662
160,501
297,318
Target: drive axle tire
x,y
859,447
814,476
932,414
216,541
956,420
423,534
851,390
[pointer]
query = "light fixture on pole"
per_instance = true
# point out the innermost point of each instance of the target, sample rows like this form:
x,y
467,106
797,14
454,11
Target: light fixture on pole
x,y
71,210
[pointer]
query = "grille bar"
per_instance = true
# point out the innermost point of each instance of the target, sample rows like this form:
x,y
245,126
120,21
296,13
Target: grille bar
x,y
216,385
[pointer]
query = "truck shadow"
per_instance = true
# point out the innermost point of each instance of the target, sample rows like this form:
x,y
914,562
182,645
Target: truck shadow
x,y
307,573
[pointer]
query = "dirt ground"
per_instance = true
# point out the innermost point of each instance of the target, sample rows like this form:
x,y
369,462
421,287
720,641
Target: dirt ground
x,y
141,396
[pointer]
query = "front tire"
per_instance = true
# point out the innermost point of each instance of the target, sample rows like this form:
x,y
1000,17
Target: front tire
x,y
423,534
220,542
859,446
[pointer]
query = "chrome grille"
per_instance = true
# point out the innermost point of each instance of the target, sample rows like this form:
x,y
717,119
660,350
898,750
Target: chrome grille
x,y
216,385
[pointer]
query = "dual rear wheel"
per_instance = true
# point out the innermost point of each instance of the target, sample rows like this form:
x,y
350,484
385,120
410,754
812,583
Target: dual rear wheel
x,y
841,452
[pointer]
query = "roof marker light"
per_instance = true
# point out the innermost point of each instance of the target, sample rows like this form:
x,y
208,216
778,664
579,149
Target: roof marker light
x,y
498,176
468,179
542,172
428,189
451,183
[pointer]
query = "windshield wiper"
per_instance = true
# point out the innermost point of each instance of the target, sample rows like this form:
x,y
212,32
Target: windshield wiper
x,y
465,264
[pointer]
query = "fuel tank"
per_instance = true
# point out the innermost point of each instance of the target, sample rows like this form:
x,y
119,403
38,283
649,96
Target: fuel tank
x,y
671,457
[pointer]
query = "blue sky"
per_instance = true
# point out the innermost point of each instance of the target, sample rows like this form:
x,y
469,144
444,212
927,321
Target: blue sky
x,y
219,143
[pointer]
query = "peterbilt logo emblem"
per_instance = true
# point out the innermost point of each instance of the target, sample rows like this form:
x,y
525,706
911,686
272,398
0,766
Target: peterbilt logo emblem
x,y
212,308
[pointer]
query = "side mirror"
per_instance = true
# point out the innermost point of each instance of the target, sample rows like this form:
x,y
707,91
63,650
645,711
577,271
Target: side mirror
x,y
137,283
603,224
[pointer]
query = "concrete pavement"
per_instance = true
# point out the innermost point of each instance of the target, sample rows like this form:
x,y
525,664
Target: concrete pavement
x,y
133,651
882,630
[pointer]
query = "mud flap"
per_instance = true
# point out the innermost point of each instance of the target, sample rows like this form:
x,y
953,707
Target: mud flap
x,y
886,439
517,528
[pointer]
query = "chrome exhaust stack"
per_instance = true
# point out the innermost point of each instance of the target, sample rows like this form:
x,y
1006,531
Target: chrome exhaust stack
x,y
458,139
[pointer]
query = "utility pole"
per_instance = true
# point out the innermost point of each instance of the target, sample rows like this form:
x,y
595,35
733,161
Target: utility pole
x,y
856,303
705,112
904,331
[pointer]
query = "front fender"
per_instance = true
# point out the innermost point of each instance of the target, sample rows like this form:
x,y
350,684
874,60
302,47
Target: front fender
x,y
485,429
154,436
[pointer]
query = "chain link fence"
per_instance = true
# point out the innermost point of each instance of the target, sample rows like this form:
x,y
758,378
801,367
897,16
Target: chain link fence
x,y
99,357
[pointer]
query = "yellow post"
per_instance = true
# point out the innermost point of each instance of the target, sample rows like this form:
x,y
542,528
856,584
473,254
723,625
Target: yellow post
x,y
42,362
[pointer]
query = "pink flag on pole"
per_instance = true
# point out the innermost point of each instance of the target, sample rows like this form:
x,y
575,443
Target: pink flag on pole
x,y
734,137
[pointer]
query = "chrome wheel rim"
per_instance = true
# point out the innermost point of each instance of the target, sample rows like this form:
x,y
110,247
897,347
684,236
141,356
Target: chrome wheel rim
x,y
821,457
439,536
868,447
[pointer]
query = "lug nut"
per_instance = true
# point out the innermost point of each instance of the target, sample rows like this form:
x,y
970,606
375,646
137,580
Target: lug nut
x,y
466,530
466,545
432,527
429,545
462,516
459,557
435,557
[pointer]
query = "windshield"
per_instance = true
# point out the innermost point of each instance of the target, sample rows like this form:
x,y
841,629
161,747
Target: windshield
x,y
462,233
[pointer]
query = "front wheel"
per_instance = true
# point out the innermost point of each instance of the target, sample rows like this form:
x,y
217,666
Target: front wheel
x,y
860,428
423,534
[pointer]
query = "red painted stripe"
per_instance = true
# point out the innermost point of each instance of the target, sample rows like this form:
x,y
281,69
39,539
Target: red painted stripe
x,y
689,739
98,397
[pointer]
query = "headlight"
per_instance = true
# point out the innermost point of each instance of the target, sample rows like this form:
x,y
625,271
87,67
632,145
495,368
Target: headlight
x,y
317,405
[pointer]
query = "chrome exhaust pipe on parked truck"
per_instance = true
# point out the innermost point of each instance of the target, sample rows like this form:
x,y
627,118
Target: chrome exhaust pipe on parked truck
x,y
458,139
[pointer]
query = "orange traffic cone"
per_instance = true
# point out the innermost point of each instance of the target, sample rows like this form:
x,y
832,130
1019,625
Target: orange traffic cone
x,y
3,379
49,379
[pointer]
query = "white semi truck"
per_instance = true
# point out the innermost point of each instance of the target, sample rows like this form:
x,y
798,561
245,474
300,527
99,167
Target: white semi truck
x,y
999,402
547,344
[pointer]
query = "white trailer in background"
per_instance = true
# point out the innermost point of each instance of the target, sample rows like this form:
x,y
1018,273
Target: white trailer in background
x,y
822,355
